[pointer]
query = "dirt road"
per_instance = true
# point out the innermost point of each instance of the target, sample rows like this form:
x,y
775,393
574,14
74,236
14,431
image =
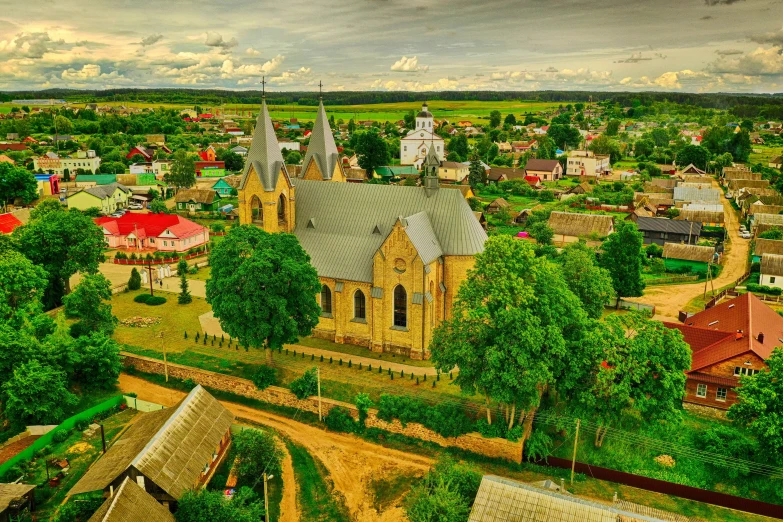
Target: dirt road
x,y
670,299
352,462
288,509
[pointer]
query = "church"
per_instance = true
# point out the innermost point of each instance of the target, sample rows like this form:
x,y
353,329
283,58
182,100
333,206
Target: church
x,y
415,146
390,258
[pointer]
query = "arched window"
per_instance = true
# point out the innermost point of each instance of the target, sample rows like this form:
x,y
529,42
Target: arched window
x,y
257,211
359,305
326,300
281,210
400,307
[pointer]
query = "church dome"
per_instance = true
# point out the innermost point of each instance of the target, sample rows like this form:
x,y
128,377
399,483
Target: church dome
x,y
424,112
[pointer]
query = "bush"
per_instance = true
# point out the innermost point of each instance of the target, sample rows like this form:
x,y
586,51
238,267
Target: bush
x,y
156,300
339,419
81,424
306,385
141,298
134,283
189,383
264,377
446,419
363,404
763,289
654,250
60,435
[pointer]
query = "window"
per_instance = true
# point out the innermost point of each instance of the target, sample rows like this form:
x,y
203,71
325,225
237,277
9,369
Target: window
x,y
359,305
721,395
701,390
400,307
771,280
738,371
326,300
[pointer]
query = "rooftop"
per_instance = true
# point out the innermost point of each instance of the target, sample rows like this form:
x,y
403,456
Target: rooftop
x,y
150,225
578,225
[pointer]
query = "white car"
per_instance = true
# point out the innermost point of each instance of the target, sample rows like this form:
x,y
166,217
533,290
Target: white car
x,y
745,234
134,206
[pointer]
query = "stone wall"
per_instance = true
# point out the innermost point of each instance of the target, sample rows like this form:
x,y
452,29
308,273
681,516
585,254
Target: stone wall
x,y
473,442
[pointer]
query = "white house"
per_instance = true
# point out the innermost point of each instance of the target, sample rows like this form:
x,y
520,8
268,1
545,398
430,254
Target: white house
x,y
771,270
161,168
415,146
86,160
141,168
288,145
587,163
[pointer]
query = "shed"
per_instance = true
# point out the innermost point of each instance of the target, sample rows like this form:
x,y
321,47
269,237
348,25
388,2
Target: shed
x,y
15,499
678,256
571,224
709,218
497,205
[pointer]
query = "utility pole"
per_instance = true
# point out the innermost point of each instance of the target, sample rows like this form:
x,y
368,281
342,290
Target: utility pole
x,y
707,279
149,267
266,497
573,459
318,373
165,362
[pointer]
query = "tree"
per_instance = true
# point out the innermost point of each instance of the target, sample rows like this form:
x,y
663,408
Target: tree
x,y
293,158
63,125
445,495
257,453
693,154
459,146
183,170
134,282
372,151
262,287
510,119
638,366
158,206
564,135
591,283
184,296
87,302
200,505
612,127
264,377
623,259
547,149
97,362
17,182
643,148
541,232
476,175
37,394
494,119
514,328
759,408
62,243
605,145
306,385
233,161
21,286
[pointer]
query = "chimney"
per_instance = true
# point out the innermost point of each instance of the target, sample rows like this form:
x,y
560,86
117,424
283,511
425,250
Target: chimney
x,y
761,337
739,335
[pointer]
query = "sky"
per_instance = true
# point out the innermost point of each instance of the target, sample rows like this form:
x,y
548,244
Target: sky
x,y
388,45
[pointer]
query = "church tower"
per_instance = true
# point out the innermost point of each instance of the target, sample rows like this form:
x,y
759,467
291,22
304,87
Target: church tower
x,y
424,119
431,168
322,161
266,195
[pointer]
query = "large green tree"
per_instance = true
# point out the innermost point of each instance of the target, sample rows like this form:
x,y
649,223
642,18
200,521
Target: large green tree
x,y
97,361
622,257
564,135
637,368
257,452
591,283
612,127
371,150
693,154
759,407
605,145
262,287
17,182
183,170
477,176
62,243
21,285
37,394
514,327
459,145
89,303
494,118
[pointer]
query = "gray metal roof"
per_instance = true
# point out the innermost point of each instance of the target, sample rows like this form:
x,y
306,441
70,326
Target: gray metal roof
x,y
343,240
322,148
106,191
264,154
680,226
707,195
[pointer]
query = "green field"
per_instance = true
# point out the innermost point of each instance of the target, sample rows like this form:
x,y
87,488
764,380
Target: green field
x,y
766,154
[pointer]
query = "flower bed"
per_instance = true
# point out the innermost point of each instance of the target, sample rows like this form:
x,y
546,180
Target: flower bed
x,y
140,322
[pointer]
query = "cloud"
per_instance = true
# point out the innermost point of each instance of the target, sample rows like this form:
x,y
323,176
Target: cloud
x,y
89,70
35,45
252,52
634,58
216,40
246,72
721,2
626,80
728,52
762,61
775,39
707,17
150,40
301,75
551,70
406,64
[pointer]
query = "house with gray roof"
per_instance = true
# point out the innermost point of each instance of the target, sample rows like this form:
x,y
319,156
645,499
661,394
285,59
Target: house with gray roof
x,y
696,194
390,258
107,198
663,230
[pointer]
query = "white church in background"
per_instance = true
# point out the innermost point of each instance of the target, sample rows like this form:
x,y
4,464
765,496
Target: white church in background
x,y
415,146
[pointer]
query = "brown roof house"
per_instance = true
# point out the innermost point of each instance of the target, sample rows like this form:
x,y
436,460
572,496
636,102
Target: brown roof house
x,y
197,200
728,341
570,226
130,503
766,246
495,206
166,452
708,218
547,170
771,270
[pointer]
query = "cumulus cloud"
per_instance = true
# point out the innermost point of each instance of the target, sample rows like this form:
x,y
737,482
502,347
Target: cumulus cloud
x,y
406,64
252,52
301,75
775,38
762,61
35,45
230,70
89,70
216,40
151,40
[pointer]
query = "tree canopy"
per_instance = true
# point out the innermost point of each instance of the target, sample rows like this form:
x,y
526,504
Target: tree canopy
x,y
17,182
371,150
622,257
21,286
183,170
88,303
591,283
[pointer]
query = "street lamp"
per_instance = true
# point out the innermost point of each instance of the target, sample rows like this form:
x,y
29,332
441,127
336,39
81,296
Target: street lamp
x,y
266,497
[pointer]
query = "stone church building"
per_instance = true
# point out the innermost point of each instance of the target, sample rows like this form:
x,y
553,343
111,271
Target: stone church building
x,y
390,258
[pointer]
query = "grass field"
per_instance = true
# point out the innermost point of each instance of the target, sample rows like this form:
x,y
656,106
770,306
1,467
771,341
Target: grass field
x,y
766,154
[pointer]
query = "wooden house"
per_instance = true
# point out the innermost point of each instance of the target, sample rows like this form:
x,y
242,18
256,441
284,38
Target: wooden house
x,y
694,257
766,246
130,503
496,206
662,230
165,452
15,501
197,200
569,227
708,218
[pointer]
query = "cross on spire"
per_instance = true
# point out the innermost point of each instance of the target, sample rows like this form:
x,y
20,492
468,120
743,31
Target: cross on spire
x,y
263,86
320,90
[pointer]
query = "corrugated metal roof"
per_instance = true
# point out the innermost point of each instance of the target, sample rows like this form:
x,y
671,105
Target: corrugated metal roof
x,y
708,195
322,148
106,191
343,244
264,155
130,503
682,226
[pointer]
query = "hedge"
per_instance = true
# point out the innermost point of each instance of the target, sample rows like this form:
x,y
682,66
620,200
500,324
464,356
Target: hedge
x,y
763,289
152,300
446,418
67,425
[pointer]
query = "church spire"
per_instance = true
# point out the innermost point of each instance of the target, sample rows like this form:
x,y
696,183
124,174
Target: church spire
x,y
431,168
322,148
264,154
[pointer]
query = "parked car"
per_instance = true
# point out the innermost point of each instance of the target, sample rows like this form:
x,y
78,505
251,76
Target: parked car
x,y
135,206
745,235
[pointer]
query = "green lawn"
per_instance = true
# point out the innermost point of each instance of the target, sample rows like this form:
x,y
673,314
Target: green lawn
x,y
766,154
360,351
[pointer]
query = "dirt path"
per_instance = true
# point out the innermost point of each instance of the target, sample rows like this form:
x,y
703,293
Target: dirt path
x,y
670,299
288,509
352,462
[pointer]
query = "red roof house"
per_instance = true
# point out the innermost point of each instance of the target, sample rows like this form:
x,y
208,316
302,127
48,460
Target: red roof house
x,y
217,166
208,154
147,152
206,116
13,146
163,232
533,181
8,223
728,341
29,139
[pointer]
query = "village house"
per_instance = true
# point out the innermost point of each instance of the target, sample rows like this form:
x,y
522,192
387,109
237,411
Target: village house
x,y
465,190
161,232
9,222
587,163
707,218
85,160
692,170
738,172
225,185
763,222
210,169
106,198
766,246
662,230
208,154
48,184
728,341
148,152
165,452
453,171
735,185
687,194
695,258
547,170
496,206
16,500
197,200
776,163
131,503
771,270
389,274
569,227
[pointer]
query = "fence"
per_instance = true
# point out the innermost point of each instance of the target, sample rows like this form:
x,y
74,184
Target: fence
x,y
727,291
669,488
67,424
157,261
671,280
630,305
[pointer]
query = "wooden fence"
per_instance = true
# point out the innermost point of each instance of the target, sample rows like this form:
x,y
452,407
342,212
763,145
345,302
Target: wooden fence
x,y
727,291
671,280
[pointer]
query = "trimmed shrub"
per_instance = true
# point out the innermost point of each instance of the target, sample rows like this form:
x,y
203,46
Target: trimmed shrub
x,y
60,435
763,289
264,377
134,283
339,419
155,300
81,424
141,298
